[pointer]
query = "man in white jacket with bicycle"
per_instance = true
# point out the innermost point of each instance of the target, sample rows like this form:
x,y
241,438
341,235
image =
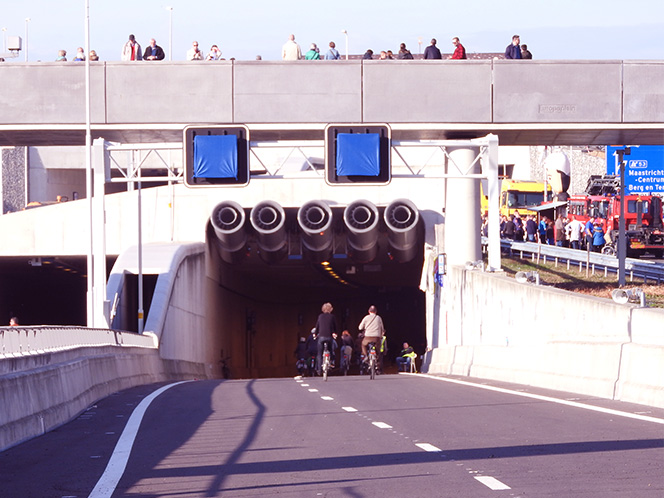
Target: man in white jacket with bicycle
x,y
372,326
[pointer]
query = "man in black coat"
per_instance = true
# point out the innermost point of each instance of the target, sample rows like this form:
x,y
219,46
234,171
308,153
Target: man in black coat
x,y
153,52
432,52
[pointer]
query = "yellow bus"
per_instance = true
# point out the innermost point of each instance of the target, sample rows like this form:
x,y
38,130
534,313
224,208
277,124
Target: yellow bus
x,y
518,195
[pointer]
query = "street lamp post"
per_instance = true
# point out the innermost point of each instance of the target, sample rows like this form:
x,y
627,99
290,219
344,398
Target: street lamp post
x,y
170,33
346,35
622,240
27,20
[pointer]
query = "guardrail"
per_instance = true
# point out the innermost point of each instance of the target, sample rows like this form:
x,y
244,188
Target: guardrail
x,y
26,341
592,262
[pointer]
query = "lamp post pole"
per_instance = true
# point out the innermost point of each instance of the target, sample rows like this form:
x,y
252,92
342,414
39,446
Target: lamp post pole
x,y
27,20
346,35
170,33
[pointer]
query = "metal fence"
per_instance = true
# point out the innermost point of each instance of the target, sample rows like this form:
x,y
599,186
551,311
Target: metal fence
x,y
25,341
591,262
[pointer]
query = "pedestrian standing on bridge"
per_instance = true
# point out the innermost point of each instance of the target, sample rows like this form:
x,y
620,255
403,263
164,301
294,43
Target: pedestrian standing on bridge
x,y
432,52
291,50
332,54
513,50
132,50
153,52
13,321
525,53
194,53
459,50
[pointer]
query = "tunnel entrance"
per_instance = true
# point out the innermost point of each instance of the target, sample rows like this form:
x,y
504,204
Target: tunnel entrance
x,y
266,302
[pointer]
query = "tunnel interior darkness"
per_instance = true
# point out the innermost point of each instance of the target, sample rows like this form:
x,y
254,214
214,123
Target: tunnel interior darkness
x,y
280,293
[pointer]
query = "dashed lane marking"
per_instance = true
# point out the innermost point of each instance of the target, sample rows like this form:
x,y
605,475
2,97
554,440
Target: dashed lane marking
x,y
313,390
327,398
382,425
575,404
492,483
304,385
349,409
428,447
118,461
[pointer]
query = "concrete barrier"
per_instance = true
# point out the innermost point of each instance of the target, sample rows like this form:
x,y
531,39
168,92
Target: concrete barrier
x,y
59,386
499,329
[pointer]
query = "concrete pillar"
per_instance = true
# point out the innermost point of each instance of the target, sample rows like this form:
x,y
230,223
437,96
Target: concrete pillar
x,y
462,206
13,179
100,165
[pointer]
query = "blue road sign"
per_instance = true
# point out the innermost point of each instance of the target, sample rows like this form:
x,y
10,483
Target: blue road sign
x,y
644,171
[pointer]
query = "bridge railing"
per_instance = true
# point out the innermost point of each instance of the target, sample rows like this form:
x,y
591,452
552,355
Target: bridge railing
x,y
27,341
648,271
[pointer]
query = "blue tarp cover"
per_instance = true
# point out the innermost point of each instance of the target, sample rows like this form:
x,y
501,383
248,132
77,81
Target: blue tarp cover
x,y
215,156
358,154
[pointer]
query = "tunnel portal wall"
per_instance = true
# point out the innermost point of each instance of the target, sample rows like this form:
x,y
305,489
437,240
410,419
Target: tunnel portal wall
x,y
500,329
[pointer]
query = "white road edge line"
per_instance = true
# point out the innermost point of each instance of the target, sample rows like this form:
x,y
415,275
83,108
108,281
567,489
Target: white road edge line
x,y
428,447
492,483
118,461
545,398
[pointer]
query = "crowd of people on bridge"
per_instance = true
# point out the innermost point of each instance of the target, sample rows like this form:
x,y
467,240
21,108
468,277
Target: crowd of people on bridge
x,y
344,347
132,51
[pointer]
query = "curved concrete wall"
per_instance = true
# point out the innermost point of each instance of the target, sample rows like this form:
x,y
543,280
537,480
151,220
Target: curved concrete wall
x,y
332,91
536,335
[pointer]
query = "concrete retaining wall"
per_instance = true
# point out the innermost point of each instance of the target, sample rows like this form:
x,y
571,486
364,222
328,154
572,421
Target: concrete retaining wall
x,y
541,336
45,391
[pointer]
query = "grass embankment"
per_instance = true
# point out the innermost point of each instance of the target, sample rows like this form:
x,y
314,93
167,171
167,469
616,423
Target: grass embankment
x,y
576,281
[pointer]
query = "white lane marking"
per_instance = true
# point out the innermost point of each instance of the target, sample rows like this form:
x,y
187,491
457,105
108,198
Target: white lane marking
x,y
297,377
381,425
118,461
327,398
349,408
304,385
313,390
492,483
549,399
427,447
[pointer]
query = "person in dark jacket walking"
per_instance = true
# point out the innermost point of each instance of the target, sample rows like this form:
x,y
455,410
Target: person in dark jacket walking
x,y
513,50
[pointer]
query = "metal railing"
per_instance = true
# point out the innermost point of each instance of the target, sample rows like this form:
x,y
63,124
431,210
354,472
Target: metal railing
x,y
26,341
592,262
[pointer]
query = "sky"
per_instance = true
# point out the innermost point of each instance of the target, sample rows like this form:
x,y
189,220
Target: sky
x,y
552,29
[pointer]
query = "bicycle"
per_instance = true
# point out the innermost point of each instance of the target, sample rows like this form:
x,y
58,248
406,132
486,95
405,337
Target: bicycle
x,y
345,361
326,361
373,361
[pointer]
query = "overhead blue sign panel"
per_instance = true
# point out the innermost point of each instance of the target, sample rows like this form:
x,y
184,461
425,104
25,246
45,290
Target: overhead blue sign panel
x,y
644,168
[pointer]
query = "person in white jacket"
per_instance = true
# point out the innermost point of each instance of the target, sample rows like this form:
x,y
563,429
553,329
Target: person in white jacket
x,y
132,50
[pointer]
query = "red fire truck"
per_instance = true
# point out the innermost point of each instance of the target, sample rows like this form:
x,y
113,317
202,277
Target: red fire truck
x,y
643,216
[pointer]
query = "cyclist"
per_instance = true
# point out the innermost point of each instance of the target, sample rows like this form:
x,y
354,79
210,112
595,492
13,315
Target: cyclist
x,y
347,346
326,325
301,356
372,326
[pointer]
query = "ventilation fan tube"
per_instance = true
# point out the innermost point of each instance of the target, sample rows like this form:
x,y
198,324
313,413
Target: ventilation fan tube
x,y
402,221
269,221
315,221
361,220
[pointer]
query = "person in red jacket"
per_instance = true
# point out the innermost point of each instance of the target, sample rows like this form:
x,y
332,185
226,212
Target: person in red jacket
x,y
459,51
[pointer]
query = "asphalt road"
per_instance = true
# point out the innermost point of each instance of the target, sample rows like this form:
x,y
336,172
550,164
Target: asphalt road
x,y
396,436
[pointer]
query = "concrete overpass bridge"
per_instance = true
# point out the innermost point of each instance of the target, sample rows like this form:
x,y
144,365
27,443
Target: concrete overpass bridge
x,y
203,307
